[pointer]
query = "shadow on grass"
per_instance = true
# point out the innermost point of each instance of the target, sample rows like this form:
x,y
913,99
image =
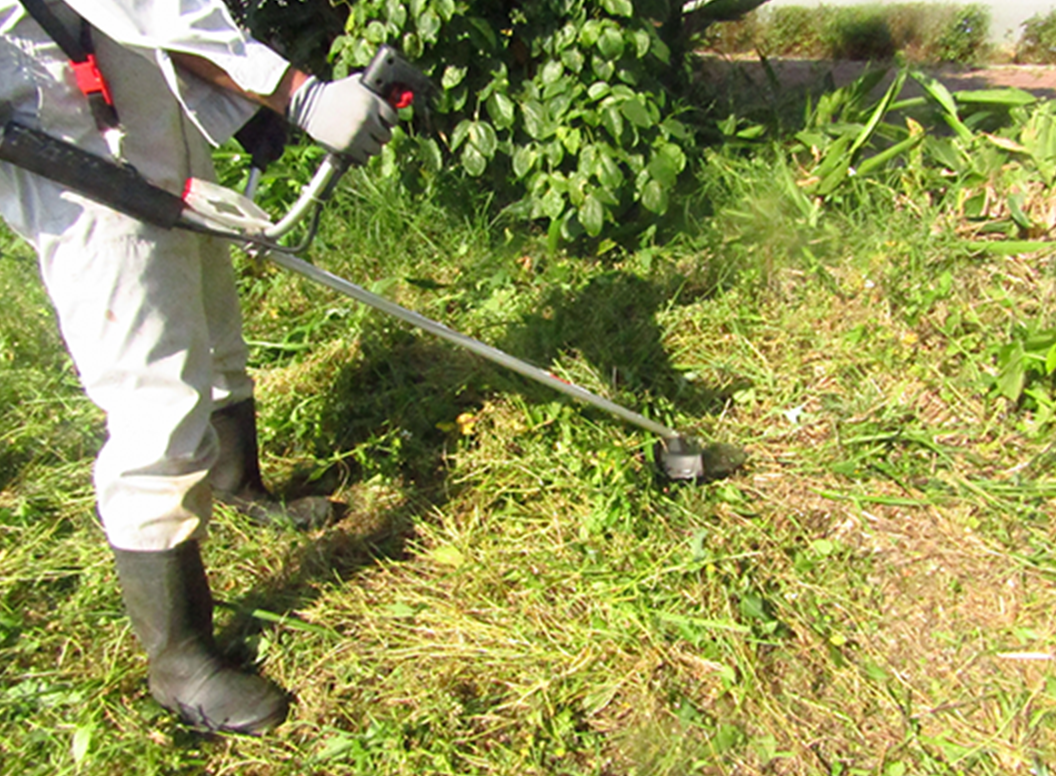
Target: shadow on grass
x,y
396,410
612,324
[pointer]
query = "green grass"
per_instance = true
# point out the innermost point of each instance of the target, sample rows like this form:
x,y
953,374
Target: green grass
x,y
513,591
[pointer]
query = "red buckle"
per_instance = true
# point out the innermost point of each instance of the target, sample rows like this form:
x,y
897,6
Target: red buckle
x,y
90,80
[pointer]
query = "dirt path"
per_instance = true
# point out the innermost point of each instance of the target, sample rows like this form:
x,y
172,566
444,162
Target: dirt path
x,y
734,75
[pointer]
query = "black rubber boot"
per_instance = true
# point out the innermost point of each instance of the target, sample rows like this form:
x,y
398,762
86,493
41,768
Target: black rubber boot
x,y
168,600
236,478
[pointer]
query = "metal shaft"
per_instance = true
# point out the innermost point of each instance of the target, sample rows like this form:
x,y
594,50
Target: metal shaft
x,y
495,355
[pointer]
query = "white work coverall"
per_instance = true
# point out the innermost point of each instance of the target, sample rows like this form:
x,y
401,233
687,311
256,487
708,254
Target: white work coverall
x,y
150,316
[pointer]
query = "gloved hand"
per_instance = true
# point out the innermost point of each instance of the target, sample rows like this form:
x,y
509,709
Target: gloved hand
x,y
343,116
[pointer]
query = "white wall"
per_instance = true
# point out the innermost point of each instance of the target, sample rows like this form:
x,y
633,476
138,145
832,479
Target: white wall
x,y
1006,15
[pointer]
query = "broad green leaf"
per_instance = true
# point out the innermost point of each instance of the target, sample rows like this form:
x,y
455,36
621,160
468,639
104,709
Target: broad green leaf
x,y
460,133
412,45
558,181
473,160
642,42
554,153
837,157
835,175
882,158
1005,98
552,71
452,77
445,8
588,158
375,33
482,135
946,153
598,89
577,190
618,8
592,215
611,44
553,203
1013,374
627,75
1007,247
501,110
938,92
82,740
606,197
397,12
483,29
636,113
536,121
447,555
752,132
602,68
524,159
660,50
554,91
429,150
428,25
612,118
666,164
564,38
572,139
589,32
573,59
1005,143
1015,209
608,171
878,113
654,197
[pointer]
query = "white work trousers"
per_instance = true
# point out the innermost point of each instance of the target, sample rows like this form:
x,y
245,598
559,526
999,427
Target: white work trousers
x,y
150,316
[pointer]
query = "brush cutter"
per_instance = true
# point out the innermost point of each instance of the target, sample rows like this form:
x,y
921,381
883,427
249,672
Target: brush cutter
x,y
212,209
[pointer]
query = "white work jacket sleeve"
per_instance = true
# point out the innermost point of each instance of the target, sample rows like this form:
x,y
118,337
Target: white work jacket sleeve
x,y
204,28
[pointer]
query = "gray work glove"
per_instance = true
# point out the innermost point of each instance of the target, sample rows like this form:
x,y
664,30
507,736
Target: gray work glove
x,y
343,116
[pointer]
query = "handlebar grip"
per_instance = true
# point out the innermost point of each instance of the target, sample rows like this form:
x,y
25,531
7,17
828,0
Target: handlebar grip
x,y
394,79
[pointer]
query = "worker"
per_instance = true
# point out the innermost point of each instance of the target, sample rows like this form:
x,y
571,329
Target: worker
x,y
150,316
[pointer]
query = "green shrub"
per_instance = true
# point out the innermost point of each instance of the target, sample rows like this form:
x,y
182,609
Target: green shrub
x,y
964,38
859,34
568,111
1037,45
793,31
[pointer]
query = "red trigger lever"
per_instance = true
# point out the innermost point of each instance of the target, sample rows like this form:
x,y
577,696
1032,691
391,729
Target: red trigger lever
x,y
401,98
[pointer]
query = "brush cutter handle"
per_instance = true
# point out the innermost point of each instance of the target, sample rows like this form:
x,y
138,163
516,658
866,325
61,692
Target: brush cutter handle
x,y
390,77
396,80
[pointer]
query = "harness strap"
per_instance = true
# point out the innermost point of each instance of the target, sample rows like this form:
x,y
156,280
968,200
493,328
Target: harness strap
x,y
81,54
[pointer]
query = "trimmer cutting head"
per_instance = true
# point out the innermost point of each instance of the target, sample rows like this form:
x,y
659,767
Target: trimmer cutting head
x,y
688,458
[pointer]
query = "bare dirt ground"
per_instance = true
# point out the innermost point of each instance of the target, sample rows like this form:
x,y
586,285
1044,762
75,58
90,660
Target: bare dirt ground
x,y
736,77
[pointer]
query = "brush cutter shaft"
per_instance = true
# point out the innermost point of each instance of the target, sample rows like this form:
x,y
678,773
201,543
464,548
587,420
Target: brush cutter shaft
x,y
495,355
318,191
